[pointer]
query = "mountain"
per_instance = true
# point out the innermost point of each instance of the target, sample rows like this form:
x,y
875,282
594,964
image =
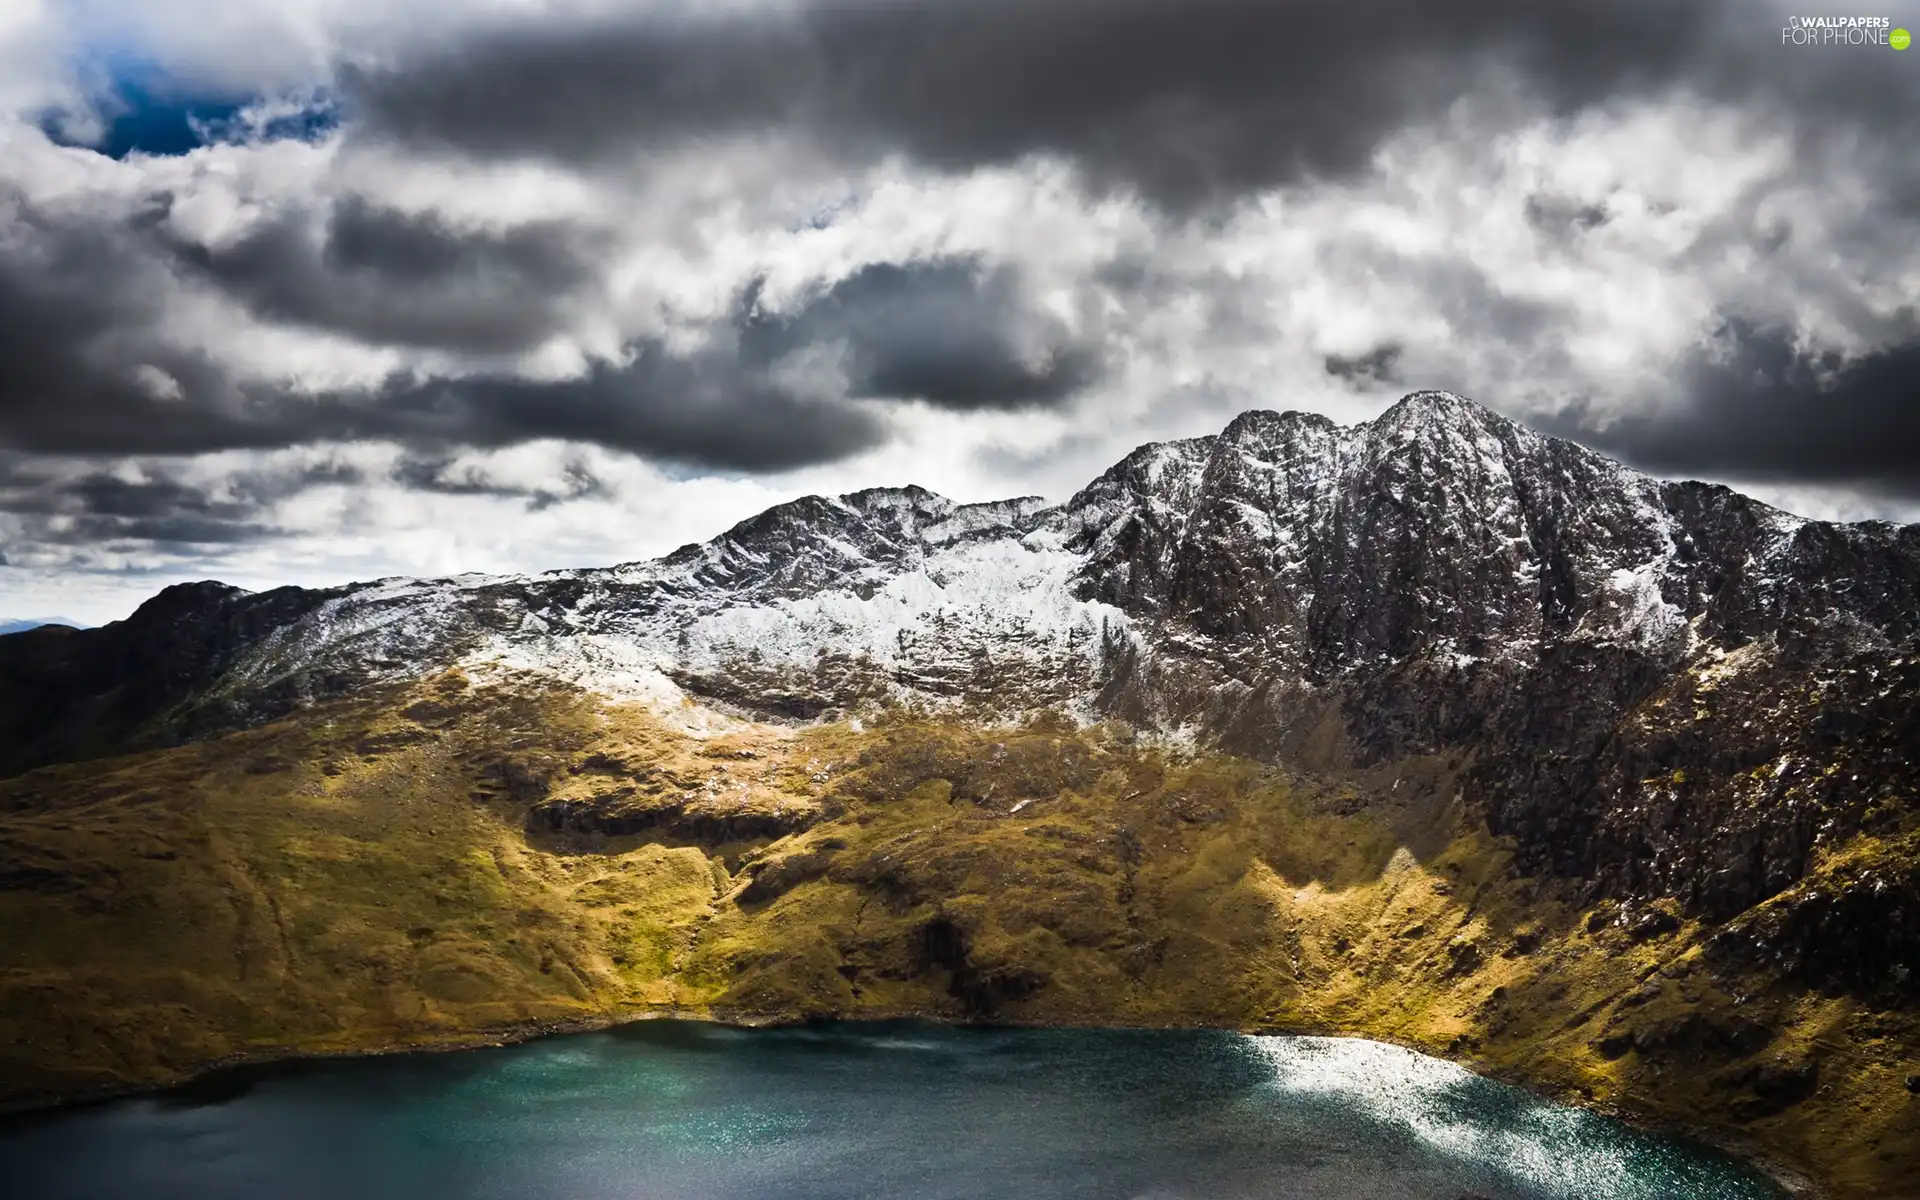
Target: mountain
x,y
1438,579
1663,711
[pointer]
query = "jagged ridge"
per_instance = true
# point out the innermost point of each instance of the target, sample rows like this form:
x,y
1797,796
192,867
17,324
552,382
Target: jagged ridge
x,y
1649,674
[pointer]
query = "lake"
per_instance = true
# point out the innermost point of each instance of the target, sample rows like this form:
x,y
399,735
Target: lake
x,y
662,1110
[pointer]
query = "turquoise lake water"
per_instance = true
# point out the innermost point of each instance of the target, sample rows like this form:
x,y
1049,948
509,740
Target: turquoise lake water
x,y
666,1110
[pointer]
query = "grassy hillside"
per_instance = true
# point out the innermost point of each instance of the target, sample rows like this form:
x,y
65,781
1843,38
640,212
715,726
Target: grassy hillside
x,y
450,863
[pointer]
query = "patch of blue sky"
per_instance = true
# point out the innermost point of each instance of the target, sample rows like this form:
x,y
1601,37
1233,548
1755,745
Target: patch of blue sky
x,y
135,114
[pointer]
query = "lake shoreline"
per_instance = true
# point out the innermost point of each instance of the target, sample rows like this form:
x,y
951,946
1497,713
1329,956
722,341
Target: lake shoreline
x,y
1796,1183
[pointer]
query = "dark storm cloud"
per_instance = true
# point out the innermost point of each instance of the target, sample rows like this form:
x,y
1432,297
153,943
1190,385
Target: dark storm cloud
x,y
1760,406
1185,99
956,334
1563,216
445,477
390,278
705,409
80,307
85,370
91,507
1380,365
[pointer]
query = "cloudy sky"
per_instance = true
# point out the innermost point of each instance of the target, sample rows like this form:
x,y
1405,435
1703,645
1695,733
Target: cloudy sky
x,y
317,290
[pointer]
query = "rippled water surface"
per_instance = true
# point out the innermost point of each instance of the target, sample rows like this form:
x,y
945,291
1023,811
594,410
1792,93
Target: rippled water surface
x,y
906,1112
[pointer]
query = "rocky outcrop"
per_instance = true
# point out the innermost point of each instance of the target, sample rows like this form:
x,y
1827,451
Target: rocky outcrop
x,y
981,990
1855,930
770,879
1668,689
620,814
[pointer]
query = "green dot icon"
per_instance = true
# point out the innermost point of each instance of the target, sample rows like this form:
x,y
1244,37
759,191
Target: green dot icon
x,y
1900,39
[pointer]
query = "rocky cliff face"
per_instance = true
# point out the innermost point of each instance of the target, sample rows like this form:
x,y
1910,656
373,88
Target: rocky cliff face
x,y
1665,689
71,694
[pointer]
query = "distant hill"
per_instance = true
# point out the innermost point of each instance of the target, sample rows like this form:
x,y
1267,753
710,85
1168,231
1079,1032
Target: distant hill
x,y
9,625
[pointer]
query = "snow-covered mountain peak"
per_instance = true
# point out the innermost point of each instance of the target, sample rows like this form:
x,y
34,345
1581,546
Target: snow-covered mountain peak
x,y
1285,552
1432,406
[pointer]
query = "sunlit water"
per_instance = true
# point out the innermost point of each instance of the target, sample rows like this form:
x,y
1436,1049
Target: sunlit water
x,y
906,1112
